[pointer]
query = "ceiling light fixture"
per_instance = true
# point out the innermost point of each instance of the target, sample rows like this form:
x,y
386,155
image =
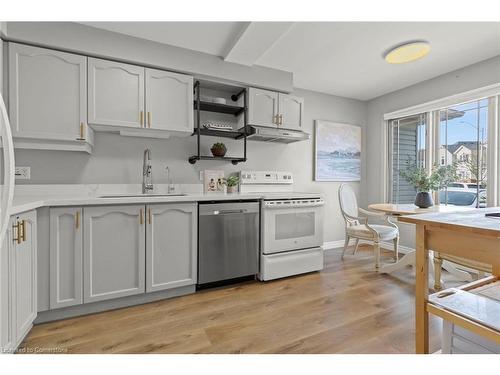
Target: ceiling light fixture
x,y
407,52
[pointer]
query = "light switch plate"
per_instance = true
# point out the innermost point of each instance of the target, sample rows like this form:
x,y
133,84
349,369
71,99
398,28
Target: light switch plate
x,y
22,173
201,175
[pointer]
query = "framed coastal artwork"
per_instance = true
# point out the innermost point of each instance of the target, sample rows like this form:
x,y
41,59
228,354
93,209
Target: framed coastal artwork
x,y
337,152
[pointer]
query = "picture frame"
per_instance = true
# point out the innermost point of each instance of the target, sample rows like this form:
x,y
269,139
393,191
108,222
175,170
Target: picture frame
x,y
213,182
337,151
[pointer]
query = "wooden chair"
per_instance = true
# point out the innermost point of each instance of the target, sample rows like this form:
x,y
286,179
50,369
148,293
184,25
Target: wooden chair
x,y
482,268
357,226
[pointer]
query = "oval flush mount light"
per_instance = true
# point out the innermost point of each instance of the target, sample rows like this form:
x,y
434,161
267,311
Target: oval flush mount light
x,y
407,52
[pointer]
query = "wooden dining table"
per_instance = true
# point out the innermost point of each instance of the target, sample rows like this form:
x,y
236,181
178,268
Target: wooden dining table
x,y
471,235
398,210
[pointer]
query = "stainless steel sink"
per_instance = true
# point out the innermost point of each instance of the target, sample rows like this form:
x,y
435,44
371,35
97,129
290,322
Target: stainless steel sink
x,y
140,195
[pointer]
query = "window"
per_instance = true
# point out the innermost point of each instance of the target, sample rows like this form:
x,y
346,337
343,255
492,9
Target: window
x,y
456,135
408,146
463,137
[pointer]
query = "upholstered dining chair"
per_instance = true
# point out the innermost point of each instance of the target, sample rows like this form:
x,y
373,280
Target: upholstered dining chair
x,y
357,226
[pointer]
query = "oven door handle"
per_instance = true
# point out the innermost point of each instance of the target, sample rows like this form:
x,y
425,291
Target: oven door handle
x,y
285,206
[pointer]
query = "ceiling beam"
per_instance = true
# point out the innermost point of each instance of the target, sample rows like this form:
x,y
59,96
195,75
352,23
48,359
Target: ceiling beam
x,y
254,41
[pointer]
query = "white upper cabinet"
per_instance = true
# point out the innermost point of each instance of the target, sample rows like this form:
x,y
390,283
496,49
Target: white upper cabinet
x,y
169,101
116,94
47,96
171,246
291,111
262,107
272,109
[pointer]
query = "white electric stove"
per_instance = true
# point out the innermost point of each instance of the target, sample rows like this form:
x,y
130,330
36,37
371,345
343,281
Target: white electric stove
x,y
291,225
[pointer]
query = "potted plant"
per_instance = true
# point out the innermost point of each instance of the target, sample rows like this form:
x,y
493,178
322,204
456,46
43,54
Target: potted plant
x,y
425,183
218,149
232,184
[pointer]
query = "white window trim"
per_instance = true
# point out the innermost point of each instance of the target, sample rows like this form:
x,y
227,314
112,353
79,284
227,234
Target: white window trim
x,y
463,97
492,92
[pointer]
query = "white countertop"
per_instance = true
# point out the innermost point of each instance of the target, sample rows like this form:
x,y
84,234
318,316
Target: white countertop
x,y
27,203
30,197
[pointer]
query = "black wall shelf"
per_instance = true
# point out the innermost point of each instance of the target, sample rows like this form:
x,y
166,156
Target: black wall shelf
x,y
234,134
219,108
235,161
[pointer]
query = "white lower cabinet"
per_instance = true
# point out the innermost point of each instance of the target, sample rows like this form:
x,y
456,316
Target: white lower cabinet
x,y
19,272
171,247
66,257
113,252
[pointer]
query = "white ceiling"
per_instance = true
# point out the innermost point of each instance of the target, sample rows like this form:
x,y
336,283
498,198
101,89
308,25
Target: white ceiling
x,y
339,58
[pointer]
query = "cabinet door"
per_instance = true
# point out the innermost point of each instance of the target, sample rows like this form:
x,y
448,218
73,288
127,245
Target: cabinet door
x,y
114,252
7,339
47,93
25,275
66,259
291,110
116,94
262,107
171,251
169,101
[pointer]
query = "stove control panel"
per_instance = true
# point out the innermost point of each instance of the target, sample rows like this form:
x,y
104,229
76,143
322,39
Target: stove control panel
x,y
265,177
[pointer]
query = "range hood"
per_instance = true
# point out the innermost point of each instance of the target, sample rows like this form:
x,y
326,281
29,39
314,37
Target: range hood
x,y
266,134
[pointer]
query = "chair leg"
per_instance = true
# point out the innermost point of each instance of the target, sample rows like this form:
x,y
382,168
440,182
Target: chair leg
x,y
438,264
376,246
346,243
396,246
356,246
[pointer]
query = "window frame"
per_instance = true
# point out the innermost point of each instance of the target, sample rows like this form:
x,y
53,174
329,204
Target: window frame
x,y
492,93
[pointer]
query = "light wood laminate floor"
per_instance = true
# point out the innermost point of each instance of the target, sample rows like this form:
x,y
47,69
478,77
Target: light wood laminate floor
x,y
346,308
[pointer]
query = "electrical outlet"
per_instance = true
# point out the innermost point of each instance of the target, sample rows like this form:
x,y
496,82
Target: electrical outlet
x,y
22,173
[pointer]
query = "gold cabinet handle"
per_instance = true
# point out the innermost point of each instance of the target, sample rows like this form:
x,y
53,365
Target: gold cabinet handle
x,y
82,132
141,219
281,120
77,219
275,120
149,119
23,232
16,229
150,216
141,117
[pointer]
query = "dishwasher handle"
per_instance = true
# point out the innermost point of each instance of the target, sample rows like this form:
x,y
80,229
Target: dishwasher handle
x,y
227,212
238,208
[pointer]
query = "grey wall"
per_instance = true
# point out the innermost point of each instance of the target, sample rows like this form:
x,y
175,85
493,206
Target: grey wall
x,y
118,159
472,77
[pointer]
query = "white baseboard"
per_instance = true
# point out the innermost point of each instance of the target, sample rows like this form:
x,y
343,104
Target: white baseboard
x,y
386,245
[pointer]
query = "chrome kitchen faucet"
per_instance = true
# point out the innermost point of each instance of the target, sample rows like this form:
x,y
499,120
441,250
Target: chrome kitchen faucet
x,y
147,173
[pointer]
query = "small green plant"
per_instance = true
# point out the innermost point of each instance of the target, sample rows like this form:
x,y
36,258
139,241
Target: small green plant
x,y
218,145
218,149
418,176
232,181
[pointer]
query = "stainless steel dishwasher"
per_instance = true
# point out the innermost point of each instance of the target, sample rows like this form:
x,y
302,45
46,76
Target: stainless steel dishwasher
x,y
228,241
